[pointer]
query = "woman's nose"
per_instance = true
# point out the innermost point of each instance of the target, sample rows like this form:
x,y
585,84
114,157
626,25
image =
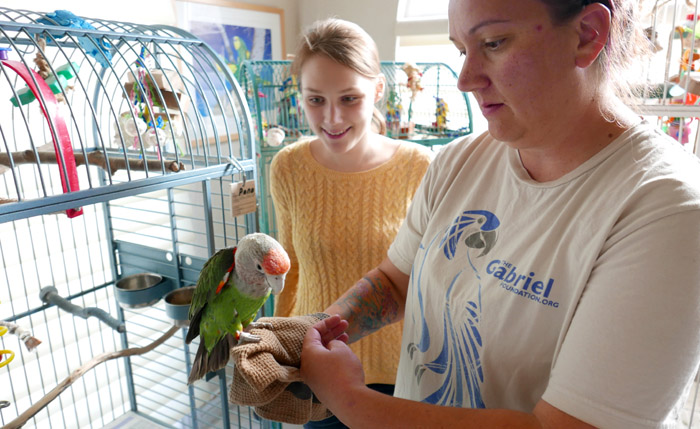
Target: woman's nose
x,y
472,76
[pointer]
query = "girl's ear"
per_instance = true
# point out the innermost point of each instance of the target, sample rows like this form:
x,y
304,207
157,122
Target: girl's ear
x,y
593,28
379,88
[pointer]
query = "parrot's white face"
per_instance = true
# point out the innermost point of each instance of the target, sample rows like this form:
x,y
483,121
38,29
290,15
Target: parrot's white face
x,y
262,264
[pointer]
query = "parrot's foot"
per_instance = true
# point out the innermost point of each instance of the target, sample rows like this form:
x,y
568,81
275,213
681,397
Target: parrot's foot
x,y
258,325
246,338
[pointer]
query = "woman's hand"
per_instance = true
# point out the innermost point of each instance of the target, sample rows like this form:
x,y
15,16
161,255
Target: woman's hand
x,y
328,365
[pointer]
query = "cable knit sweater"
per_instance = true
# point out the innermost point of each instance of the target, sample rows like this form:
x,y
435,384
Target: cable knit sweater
x,y
337,226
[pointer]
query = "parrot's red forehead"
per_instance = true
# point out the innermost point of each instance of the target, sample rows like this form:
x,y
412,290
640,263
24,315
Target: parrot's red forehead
x,y
276,262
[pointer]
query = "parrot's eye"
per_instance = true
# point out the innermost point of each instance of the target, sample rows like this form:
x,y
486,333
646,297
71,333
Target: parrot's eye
x,y
260,268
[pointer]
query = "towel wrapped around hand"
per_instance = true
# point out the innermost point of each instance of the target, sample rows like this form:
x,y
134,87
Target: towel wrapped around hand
x,y
266,374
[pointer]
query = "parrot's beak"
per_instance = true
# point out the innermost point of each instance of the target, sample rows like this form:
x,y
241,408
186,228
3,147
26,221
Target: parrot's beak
x,y
276,283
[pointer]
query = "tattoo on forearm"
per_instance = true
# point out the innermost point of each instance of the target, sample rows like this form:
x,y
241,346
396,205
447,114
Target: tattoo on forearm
x,y
371,306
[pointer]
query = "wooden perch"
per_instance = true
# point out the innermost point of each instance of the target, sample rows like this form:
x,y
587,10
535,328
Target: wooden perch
x,y
96,158
75,375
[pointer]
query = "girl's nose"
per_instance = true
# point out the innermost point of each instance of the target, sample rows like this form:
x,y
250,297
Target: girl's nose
x,y
333,113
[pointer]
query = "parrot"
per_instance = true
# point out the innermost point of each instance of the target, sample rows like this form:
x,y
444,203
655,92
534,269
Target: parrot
x,y
231,288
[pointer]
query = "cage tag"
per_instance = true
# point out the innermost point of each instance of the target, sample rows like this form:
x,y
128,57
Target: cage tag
x,y
243,198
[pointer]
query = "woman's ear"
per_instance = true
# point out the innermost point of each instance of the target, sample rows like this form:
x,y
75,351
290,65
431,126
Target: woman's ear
x,y
379,88
593,27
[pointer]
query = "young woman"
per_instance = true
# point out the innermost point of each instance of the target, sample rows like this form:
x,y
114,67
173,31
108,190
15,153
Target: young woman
x,y
340,197
547,270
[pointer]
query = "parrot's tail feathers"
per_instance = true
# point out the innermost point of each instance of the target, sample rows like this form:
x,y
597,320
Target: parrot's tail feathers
x,y
221,353
199,365
193,331
217,359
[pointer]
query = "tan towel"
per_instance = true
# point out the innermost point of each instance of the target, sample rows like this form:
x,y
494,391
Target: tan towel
x,y
266,374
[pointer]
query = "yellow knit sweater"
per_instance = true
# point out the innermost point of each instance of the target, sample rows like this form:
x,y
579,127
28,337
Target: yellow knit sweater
x,y
337,226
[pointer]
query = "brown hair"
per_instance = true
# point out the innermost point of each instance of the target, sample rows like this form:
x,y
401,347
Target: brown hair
x,y
627,43
345,43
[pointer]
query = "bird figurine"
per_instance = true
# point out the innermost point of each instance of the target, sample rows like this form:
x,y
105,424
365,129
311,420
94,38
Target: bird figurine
x,y
232,286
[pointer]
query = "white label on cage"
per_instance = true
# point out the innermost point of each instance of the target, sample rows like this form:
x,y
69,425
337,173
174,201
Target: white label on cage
x,y
243,198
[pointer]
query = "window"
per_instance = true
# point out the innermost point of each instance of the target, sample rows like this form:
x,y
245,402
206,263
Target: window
x,y
410,10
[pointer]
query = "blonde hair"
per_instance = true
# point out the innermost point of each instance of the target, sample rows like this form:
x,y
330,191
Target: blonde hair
x,y
627,44
345,43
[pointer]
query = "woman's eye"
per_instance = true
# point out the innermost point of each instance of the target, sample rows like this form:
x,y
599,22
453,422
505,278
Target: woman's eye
x,y
492,45
350,98
315,100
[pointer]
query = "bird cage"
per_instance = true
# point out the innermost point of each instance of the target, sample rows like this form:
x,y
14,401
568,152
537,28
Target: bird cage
x,y
421,104
671,78
671,96
119,145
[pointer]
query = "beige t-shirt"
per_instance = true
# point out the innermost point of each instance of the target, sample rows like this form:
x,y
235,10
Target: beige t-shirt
x,y
583,291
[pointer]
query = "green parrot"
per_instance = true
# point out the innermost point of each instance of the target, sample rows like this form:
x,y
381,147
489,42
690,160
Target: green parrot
x,y
231,288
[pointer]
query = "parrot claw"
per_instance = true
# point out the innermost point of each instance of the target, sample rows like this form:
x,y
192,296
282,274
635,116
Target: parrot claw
x,y
258,325
246,338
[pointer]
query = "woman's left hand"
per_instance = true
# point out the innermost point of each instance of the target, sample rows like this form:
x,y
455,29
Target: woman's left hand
x,y
327,363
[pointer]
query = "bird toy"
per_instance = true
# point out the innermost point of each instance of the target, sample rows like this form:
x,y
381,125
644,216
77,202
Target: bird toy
x,y
440,114
393,113
100,49
289,107
58,83
30,341
11,355
414,76
413,84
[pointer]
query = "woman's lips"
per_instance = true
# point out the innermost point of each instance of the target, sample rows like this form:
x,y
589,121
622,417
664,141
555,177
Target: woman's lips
x,y
490,108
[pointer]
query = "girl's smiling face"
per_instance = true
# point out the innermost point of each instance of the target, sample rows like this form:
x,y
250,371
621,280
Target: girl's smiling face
x,y
519,66
339,103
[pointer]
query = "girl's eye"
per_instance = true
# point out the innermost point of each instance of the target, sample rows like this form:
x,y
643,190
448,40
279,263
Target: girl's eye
x,y
350,98
315,100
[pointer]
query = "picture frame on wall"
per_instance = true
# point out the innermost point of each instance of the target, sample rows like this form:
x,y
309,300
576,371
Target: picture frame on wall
x,y
235,31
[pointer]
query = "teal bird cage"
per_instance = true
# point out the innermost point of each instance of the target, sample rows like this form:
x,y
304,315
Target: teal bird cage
x,y
421,104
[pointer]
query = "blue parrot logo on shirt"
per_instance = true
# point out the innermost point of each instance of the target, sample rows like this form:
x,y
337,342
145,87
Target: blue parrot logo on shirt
x,y
459,359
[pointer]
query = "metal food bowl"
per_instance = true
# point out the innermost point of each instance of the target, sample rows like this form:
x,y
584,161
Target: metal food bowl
x,y
177,304
141,290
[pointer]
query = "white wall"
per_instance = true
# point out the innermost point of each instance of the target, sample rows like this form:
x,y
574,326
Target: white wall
x,y
377,17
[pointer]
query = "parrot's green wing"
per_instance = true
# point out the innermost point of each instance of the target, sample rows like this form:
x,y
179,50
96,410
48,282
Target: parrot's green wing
x,y
210,276
212,273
